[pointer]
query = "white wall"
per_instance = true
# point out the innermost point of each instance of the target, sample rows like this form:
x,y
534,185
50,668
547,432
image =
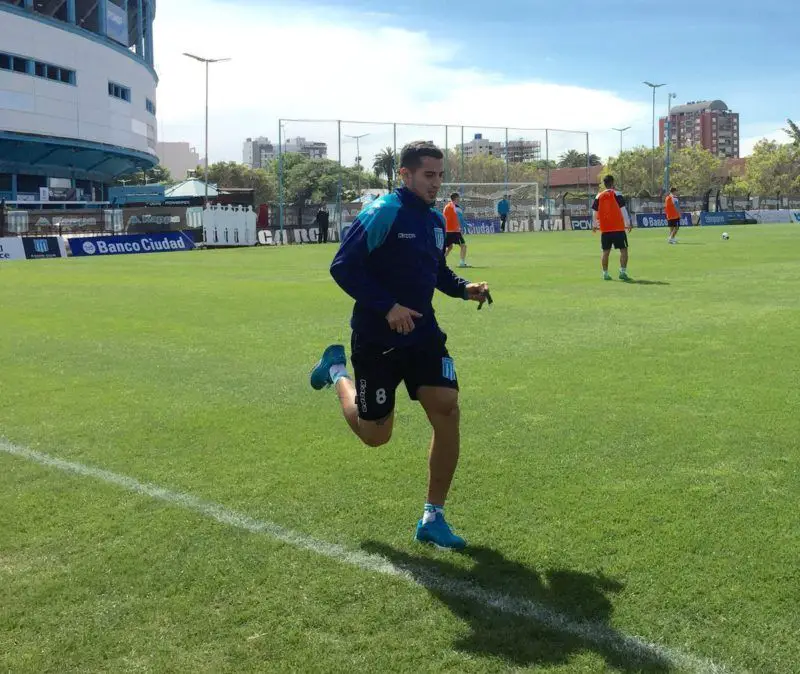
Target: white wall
x,y
179,158
31,104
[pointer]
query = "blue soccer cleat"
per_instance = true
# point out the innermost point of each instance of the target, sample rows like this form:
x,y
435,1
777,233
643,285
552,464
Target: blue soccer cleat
x,y
321,373
438,533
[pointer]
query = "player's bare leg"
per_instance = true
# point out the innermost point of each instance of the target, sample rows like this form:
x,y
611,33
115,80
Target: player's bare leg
x,y
331,370
463,254
371,433
604,263
441,406
623,265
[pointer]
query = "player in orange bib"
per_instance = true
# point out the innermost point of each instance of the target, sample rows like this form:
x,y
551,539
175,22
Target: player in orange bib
x,y
673,213
453,234
611,217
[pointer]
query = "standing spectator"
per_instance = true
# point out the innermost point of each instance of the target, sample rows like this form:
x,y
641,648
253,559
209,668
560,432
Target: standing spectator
x,y
323,221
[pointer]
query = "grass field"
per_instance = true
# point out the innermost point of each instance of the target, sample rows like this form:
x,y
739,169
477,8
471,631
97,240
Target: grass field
x,y
630,467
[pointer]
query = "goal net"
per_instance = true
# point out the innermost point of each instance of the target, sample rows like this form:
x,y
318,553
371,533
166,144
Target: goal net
x,y
480,202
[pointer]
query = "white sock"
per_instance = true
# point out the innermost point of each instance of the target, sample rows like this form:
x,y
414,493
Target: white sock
x,y
430,512
338,371
623,270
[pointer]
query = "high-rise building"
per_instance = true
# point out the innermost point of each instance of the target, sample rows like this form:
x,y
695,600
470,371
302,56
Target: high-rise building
x,y
524,151
709,124
519,151
257,152
480,147
310,148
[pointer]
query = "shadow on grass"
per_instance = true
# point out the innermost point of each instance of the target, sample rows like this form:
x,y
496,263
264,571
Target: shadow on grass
x,y
645,282
526,617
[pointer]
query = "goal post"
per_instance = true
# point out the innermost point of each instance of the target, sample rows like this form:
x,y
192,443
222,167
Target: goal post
x,y
479,202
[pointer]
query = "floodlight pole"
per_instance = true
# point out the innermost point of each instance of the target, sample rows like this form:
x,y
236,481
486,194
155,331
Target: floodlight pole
x,y
621,131
653,162
668,134
358,158
206,62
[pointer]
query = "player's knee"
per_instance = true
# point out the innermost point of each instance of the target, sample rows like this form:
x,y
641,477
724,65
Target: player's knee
x,y
377,439
447,409
376,434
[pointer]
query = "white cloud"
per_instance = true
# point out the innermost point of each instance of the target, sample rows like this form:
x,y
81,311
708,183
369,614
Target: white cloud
x,y
312,63
752,133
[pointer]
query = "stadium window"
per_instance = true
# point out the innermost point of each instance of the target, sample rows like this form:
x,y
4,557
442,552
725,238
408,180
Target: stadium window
x,y
26,66
118,91
151,107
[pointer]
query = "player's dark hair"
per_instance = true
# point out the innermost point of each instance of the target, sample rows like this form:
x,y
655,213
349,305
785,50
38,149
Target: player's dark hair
x,y
412,154
608,181
673,189
454,196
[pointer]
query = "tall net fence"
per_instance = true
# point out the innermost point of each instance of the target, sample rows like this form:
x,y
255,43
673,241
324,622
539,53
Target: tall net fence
x,y
359,162
489,208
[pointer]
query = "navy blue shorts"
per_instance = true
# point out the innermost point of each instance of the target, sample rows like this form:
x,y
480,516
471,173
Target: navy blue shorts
x,y
378,370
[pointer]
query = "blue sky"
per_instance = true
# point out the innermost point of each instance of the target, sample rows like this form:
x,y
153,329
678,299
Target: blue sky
x,y
507,62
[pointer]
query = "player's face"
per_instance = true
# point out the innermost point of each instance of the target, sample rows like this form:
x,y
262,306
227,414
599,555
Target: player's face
x,y
426,181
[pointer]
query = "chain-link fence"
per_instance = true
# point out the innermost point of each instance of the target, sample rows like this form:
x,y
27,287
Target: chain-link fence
x,y
363,158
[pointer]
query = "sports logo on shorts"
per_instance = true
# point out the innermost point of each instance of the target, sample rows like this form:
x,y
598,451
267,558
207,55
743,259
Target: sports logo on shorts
x,y
448,369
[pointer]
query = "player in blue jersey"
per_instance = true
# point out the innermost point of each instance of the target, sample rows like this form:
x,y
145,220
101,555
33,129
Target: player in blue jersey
x,y
390,262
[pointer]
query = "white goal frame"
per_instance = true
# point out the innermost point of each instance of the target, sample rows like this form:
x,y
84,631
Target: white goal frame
x,y
502,188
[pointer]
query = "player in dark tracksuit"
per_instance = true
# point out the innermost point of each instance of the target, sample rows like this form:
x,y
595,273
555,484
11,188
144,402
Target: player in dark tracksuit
x,y
391,261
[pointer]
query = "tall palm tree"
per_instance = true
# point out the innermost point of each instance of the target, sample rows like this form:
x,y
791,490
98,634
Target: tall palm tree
x,y
384,165
575,159
793,131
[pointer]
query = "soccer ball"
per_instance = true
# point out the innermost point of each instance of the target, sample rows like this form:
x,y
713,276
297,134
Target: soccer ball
x,y
725,236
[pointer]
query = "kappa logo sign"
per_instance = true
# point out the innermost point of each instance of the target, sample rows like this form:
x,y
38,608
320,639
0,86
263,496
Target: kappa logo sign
x,y
131,244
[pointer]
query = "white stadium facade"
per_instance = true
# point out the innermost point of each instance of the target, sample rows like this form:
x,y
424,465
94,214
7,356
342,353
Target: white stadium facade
x,y
77,97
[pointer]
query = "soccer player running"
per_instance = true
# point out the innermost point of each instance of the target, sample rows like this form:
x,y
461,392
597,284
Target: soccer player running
x,y
391,261
611,217
673,213
454,234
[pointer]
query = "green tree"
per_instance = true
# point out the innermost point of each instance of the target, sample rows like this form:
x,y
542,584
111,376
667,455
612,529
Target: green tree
x,y
384,165
694,170
263,182
156,175
632,170
772,168
575,159
794,132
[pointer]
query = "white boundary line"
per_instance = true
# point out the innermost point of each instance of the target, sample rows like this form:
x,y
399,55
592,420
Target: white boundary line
x,y
592,632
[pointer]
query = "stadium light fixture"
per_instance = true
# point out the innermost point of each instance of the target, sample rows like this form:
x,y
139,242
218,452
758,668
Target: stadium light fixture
x,y
621,131
358,157
653,163
206,62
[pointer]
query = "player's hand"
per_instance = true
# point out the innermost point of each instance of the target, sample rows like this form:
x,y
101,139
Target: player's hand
x,y
477,292
629,228
401,319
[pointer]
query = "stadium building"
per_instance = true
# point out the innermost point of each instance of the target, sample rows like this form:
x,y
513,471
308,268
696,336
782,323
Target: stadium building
x,y
77,97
